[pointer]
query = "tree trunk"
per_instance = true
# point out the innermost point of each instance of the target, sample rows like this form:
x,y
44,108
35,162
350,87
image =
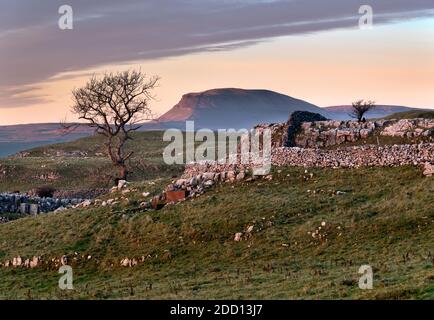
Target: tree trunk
x,y
123,172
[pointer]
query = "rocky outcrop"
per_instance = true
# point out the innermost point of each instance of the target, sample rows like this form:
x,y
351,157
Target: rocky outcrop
x,y
410,128
295,123
329,133
320,134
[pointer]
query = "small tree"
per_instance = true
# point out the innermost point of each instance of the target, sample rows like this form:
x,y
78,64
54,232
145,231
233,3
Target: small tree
x,y
115,105
359,108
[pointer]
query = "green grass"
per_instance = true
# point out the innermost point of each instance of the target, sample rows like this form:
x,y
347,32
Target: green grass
x,y
43,167
385,219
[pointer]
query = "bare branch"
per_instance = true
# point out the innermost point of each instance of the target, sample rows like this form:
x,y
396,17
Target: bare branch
x,y
115,105
360,107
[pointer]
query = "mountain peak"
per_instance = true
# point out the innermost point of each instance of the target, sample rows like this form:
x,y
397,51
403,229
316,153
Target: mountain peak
x,y
235,107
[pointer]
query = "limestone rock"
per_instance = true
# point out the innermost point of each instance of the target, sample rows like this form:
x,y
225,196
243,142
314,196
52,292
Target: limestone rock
x,y
17,261
238,236
34,262
428,169
122,184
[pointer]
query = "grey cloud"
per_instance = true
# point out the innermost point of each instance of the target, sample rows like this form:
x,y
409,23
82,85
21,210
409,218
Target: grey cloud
x,y
21,97
33,49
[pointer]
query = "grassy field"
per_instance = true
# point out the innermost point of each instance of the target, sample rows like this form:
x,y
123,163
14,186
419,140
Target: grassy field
x,y
51,165
385,219
81,164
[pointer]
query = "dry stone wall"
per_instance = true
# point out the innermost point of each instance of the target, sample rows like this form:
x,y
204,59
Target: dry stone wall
x,y
315,135
25,204
348,157
357,156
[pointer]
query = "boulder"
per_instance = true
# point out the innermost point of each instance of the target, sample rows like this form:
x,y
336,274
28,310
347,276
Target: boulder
x,y
241,176
17,261
60,209
86,203
428,169
238,236
364,133
208,176
193,182
180,182
295,122
230,176
209,183
122,184
126,262
34,262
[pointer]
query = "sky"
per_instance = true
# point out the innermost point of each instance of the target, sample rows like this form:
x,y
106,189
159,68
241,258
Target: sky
x,y
309,49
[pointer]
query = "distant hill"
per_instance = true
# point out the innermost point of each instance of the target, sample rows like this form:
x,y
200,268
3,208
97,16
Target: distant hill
x,y
380,111
234,108
24,136
40,132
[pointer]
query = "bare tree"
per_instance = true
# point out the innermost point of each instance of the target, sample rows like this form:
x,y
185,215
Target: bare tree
x,y
115,105
360,107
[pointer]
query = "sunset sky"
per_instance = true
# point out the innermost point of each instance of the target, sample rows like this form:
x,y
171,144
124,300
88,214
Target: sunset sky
x,y
311,50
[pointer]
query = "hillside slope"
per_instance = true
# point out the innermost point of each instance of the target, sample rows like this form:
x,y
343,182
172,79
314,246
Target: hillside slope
x,y
427,114
383,217
20,137
380,111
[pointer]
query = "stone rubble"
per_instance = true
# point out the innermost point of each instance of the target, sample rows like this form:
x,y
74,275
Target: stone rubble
x,y
26,204
71,259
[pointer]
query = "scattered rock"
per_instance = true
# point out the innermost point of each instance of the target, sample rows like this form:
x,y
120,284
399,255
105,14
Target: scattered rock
x,y
126,262
60,209
122,184
86,203
209,183
240,176
34,262
428,169
17,261
238,236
